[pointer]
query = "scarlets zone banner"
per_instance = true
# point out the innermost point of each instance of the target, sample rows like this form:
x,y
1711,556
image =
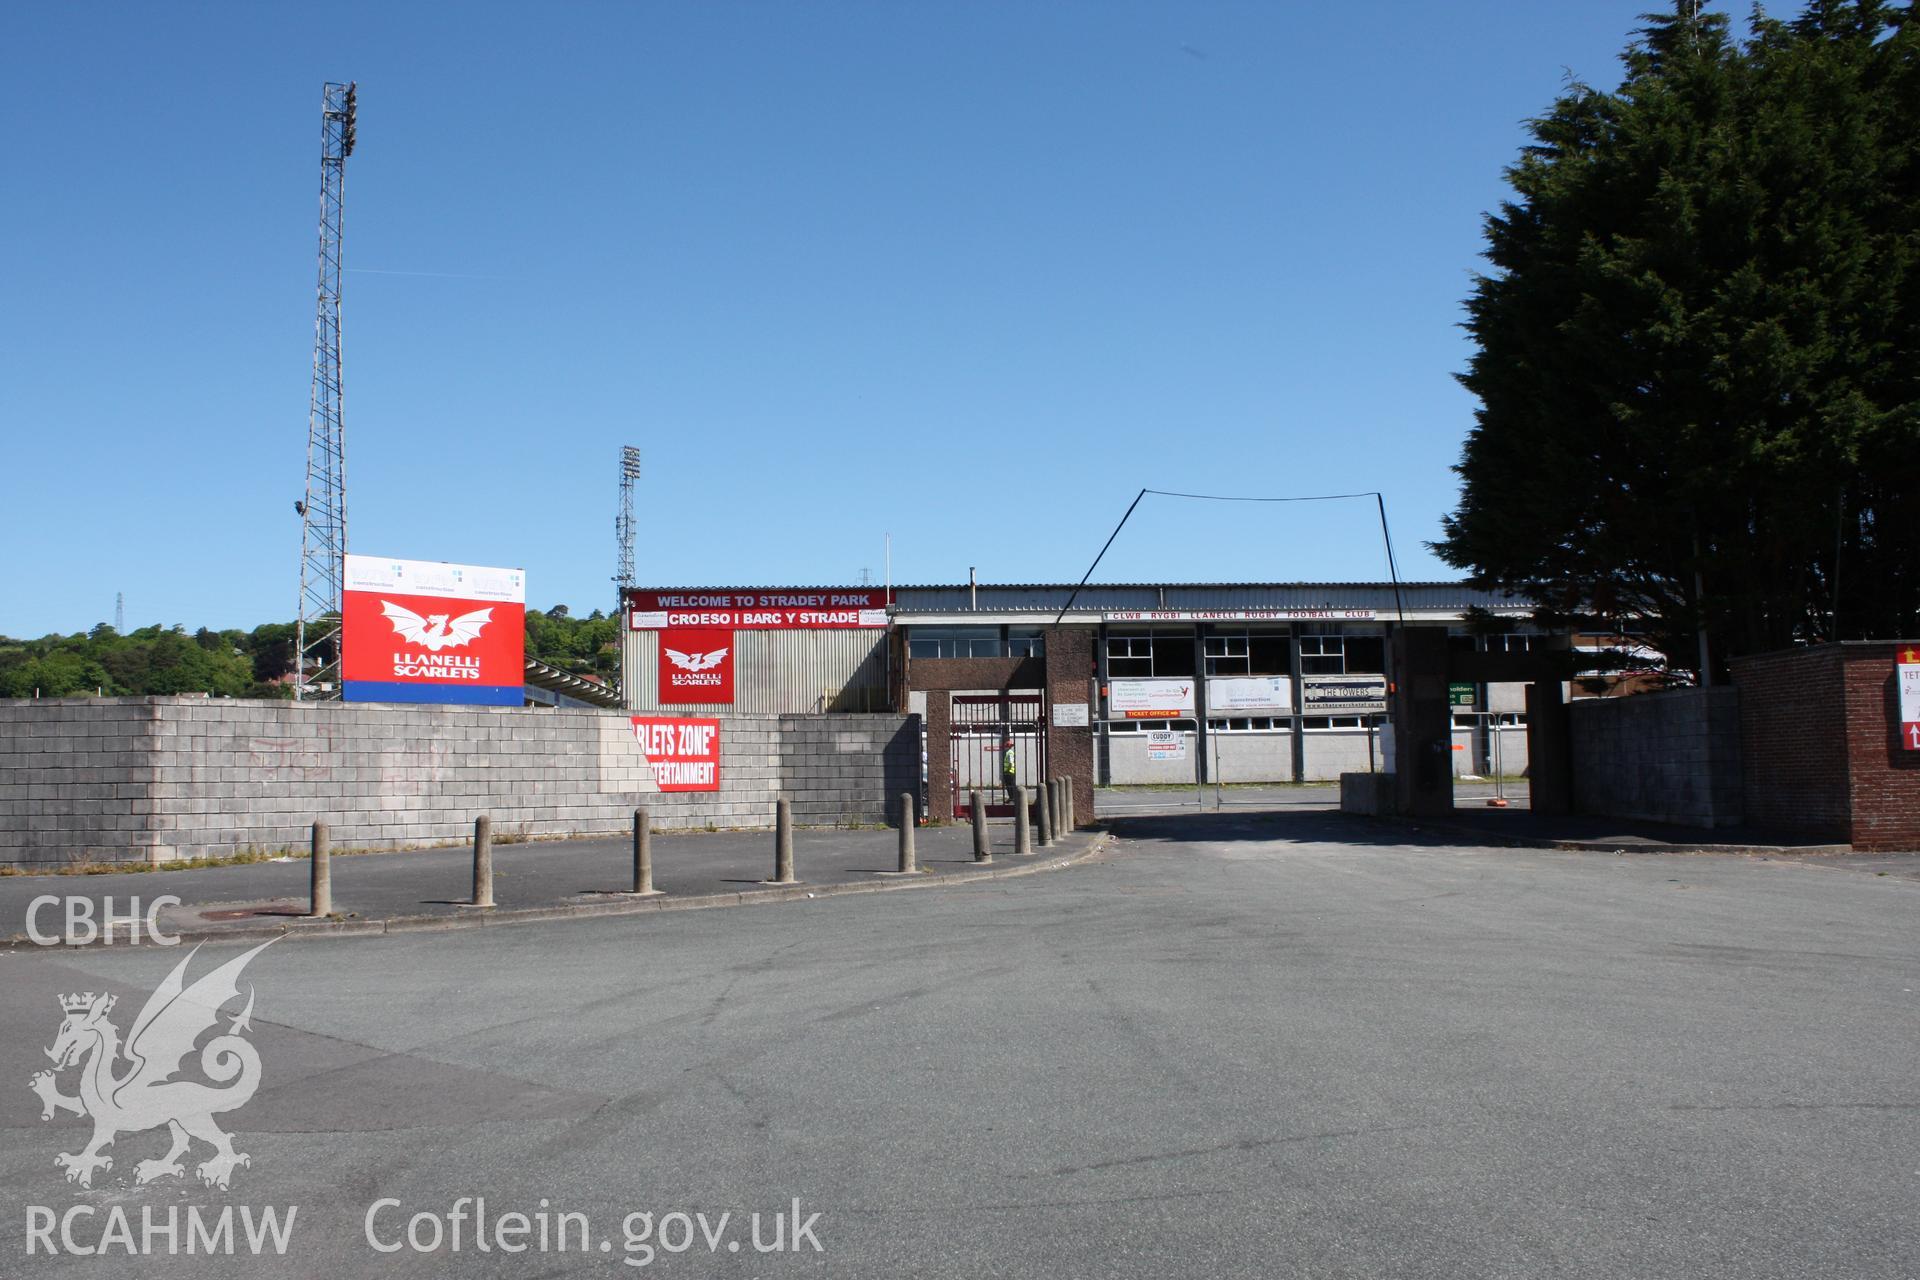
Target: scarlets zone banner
x,y
696,666
424,631
684,754
758,609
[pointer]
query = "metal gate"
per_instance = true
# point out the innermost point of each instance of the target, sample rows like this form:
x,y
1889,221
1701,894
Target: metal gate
x,y
999,740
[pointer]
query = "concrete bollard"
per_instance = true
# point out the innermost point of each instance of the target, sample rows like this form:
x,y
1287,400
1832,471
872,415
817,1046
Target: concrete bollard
x,y
977,807
1066,795
1022,832
643,853
1044,818
1059,808
320,893
908,862
783,842
483,861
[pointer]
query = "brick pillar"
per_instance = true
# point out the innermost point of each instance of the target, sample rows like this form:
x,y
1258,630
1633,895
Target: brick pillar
x,y
1422,722
1549,750
939,755
1069,682
1883,774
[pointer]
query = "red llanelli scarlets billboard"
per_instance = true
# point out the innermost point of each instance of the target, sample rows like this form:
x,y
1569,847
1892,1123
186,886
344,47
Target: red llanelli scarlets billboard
x,y
757,608
423,631
684,754
696,665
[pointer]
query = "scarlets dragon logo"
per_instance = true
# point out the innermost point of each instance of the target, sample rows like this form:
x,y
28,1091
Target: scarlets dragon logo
x,y
436,631
696,661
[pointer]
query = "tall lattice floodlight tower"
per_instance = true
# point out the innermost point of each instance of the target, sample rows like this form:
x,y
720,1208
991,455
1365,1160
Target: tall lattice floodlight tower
x,y
323,512
623,523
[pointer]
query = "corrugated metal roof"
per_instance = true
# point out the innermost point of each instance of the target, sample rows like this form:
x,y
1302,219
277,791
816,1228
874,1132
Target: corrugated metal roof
x,y
692,588
1095,586
1095,597
555,680
1003,597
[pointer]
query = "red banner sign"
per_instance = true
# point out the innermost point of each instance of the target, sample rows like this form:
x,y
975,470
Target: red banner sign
x,y
696,666
758,609
684,754
440,644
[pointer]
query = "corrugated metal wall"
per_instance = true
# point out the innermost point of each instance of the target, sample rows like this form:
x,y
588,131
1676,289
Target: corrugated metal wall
x,y
774,672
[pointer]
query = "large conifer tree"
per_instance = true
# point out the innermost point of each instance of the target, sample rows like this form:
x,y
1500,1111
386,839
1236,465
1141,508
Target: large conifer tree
x,y
1698,356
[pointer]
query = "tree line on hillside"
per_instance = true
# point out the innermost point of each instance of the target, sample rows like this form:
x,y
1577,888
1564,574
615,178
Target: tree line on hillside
x,y
243,664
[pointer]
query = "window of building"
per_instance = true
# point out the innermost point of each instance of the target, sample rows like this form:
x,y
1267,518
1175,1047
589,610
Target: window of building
x,y
1130,655
1514,643
956,642
1150,653
1249,724
1025,642
1247,653
1331,654
1366,655
1323,655
1497,719
1269,653
1227,655
1314,723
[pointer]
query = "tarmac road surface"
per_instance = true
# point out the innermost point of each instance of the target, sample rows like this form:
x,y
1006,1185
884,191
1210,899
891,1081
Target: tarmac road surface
x,y
1233,1045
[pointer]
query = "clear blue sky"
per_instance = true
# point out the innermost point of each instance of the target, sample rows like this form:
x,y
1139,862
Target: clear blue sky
x,y
972,273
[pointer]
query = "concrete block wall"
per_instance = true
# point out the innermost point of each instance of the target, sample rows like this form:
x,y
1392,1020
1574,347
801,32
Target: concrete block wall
x,y
844,769
1661,757
1328,753
1512,758
1252,757
1128,765
161,778
75,775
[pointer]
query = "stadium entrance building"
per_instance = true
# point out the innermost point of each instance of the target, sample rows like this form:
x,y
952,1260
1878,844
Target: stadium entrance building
x,y
1133,683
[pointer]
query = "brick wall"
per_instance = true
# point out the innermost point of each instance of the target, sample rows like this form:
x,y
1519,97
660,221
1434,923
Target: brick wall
x,y
1660,757
158,778
1793,742
1819,733
1883,781
1070,680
